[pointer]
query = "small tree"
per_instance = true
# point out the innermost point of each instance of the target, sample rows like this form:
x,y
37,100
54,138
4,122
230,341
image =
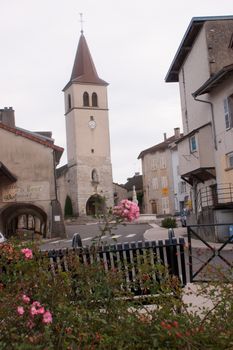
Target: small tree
x,y
68,207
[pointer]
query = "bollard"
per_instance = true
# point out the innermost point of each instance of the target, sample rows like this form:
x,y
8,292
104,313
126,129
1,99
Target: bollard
x,y
76,241
171,234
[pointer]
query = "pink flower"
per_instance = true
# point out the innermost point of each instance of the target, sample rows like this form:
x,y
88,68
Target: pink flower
x,y
36,309
36,304
27,253
41,310
20,310
127,210
33,311
25,299
47,317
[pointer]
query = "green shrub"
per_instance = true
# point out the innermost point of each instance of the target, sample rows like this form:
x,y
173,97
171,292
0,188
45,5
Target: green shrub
x,y
68,207
169,222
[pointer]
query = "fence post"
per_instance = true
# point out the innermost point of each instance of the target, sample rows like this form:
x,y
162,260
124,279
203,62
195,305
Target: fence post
x,y
190,255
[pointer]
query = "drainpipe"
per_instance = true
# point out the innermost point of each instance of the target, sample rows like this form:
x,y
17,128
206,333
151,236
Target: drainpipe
x,y
54,173
212,118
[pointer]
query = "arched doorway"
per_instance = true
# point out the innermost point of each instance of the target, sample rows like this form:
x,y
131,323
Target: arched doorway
x,y
23,217
95,205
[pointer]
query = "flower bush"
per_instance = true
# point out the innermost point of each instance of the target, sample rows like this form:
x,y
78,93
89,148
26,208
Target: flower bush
x,y
87,308
126,210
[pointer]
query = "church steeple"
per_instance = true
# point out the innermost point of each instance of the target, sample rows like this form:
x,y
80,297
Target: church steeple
x,y
84,70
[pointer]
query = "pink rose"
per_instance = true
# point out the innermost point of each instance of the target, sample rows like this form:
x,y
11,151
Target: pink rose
x,y
33,311
36,309
25,299
36,304
20,310
27,253
127,210
41,310
47,317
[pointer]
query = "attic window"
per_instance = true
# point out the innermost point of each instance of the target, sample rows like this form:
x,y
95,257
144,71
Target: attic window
x,y
230,46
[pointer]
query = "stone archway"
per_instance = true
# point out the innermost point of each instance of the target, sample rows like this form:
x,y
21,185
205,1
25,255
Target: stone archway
x,y
24,217
95,205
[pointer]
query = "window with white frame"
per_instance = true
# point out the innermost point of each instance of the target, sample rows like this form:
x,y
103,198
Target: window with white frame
x,y
193,143
155,183
228,112
165,204
164,181
230,160
162,162
182,187
154,164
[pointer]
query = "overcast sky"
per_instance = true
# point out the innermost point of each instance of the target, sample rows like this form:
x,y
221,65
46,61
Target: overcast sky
x,y
132,44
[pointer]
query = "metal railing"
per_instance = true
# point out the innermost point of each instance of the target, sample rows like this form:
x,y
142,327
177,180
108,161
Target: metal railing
x,y
128,258
214,195
202,257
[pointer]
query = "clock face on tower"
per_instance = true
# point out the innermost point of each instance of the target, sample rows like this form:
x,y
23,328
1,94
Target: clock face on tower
x,y
92,124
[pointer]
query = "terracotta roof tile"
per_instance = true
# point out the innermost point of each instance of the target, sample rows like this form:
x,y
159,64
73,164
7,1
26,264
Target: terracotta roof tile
x,y
31,137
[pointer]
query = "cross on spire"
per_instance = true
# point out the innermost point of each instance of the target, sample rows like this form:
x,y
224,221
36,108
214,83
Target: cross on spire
x,y
81,21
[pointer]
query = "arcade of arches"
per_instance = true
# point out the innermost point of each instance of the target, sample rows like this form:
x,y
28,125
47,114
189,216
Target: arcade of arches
x,y
27,218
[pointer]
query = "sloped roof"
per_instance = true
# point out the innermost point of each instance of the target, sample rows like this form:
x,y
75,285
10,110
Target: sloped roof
x,y
84,70
215,80
187,42
160,146
33,137
6,174
61,171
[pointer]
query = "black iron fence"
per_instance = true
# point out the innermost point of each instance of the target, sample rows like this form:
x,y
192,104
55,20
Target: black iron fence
x,y
210,261
129,258
215,195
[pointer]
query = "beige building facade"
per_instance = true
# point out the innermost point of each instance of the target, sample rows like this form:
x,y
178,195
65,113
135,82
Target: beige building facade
x,y
28,193
87,177
158,172
203,66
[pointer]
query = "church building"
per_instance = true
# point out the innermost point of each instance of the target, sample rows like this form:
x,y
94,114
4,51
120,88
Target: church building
x,y
86,180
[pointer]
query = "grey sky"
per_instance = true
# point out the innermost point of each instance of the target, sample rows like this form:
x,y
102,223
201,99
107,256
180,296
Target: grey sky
x,y
132,44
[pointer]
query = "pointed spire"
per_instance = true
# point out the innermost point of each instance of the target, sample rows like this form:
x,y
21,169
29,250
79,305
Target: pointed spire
x,y
84,70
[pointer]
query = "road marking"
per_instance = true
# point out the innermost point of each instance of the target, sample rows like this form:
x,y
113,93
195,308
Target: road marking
x,y
131,235
115,236
55,242
87,238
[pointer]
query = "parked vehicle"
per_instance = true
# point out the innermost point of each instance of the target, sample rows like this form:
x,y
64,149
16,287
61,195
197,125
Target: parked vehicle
x,y
2,238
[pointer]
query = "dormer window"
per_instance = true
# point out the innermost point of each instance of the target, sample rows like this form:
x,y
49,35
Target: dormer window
x,y
86,99
94,100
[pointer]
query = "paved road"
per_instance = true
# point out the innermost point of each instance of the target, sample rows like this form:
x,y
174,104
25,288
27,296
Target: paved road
x,y
123,233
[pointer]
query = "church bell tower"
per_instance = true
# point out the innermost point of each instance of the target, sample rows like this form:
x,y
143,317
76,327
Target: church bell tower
x,y
87,135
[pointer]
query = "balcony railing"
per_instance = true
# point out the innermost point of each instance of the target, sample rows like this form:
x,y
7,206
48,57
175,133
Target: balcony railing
x,y
216,195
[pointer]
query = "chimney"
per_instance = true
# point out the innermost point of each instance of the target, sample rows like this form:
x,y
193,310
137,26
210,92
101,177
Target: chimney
x,y
7,116
177,133
164,136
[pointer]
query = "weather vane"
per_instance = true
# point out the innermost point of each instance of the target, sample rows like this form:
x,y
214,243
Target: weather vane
x,y
81,21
